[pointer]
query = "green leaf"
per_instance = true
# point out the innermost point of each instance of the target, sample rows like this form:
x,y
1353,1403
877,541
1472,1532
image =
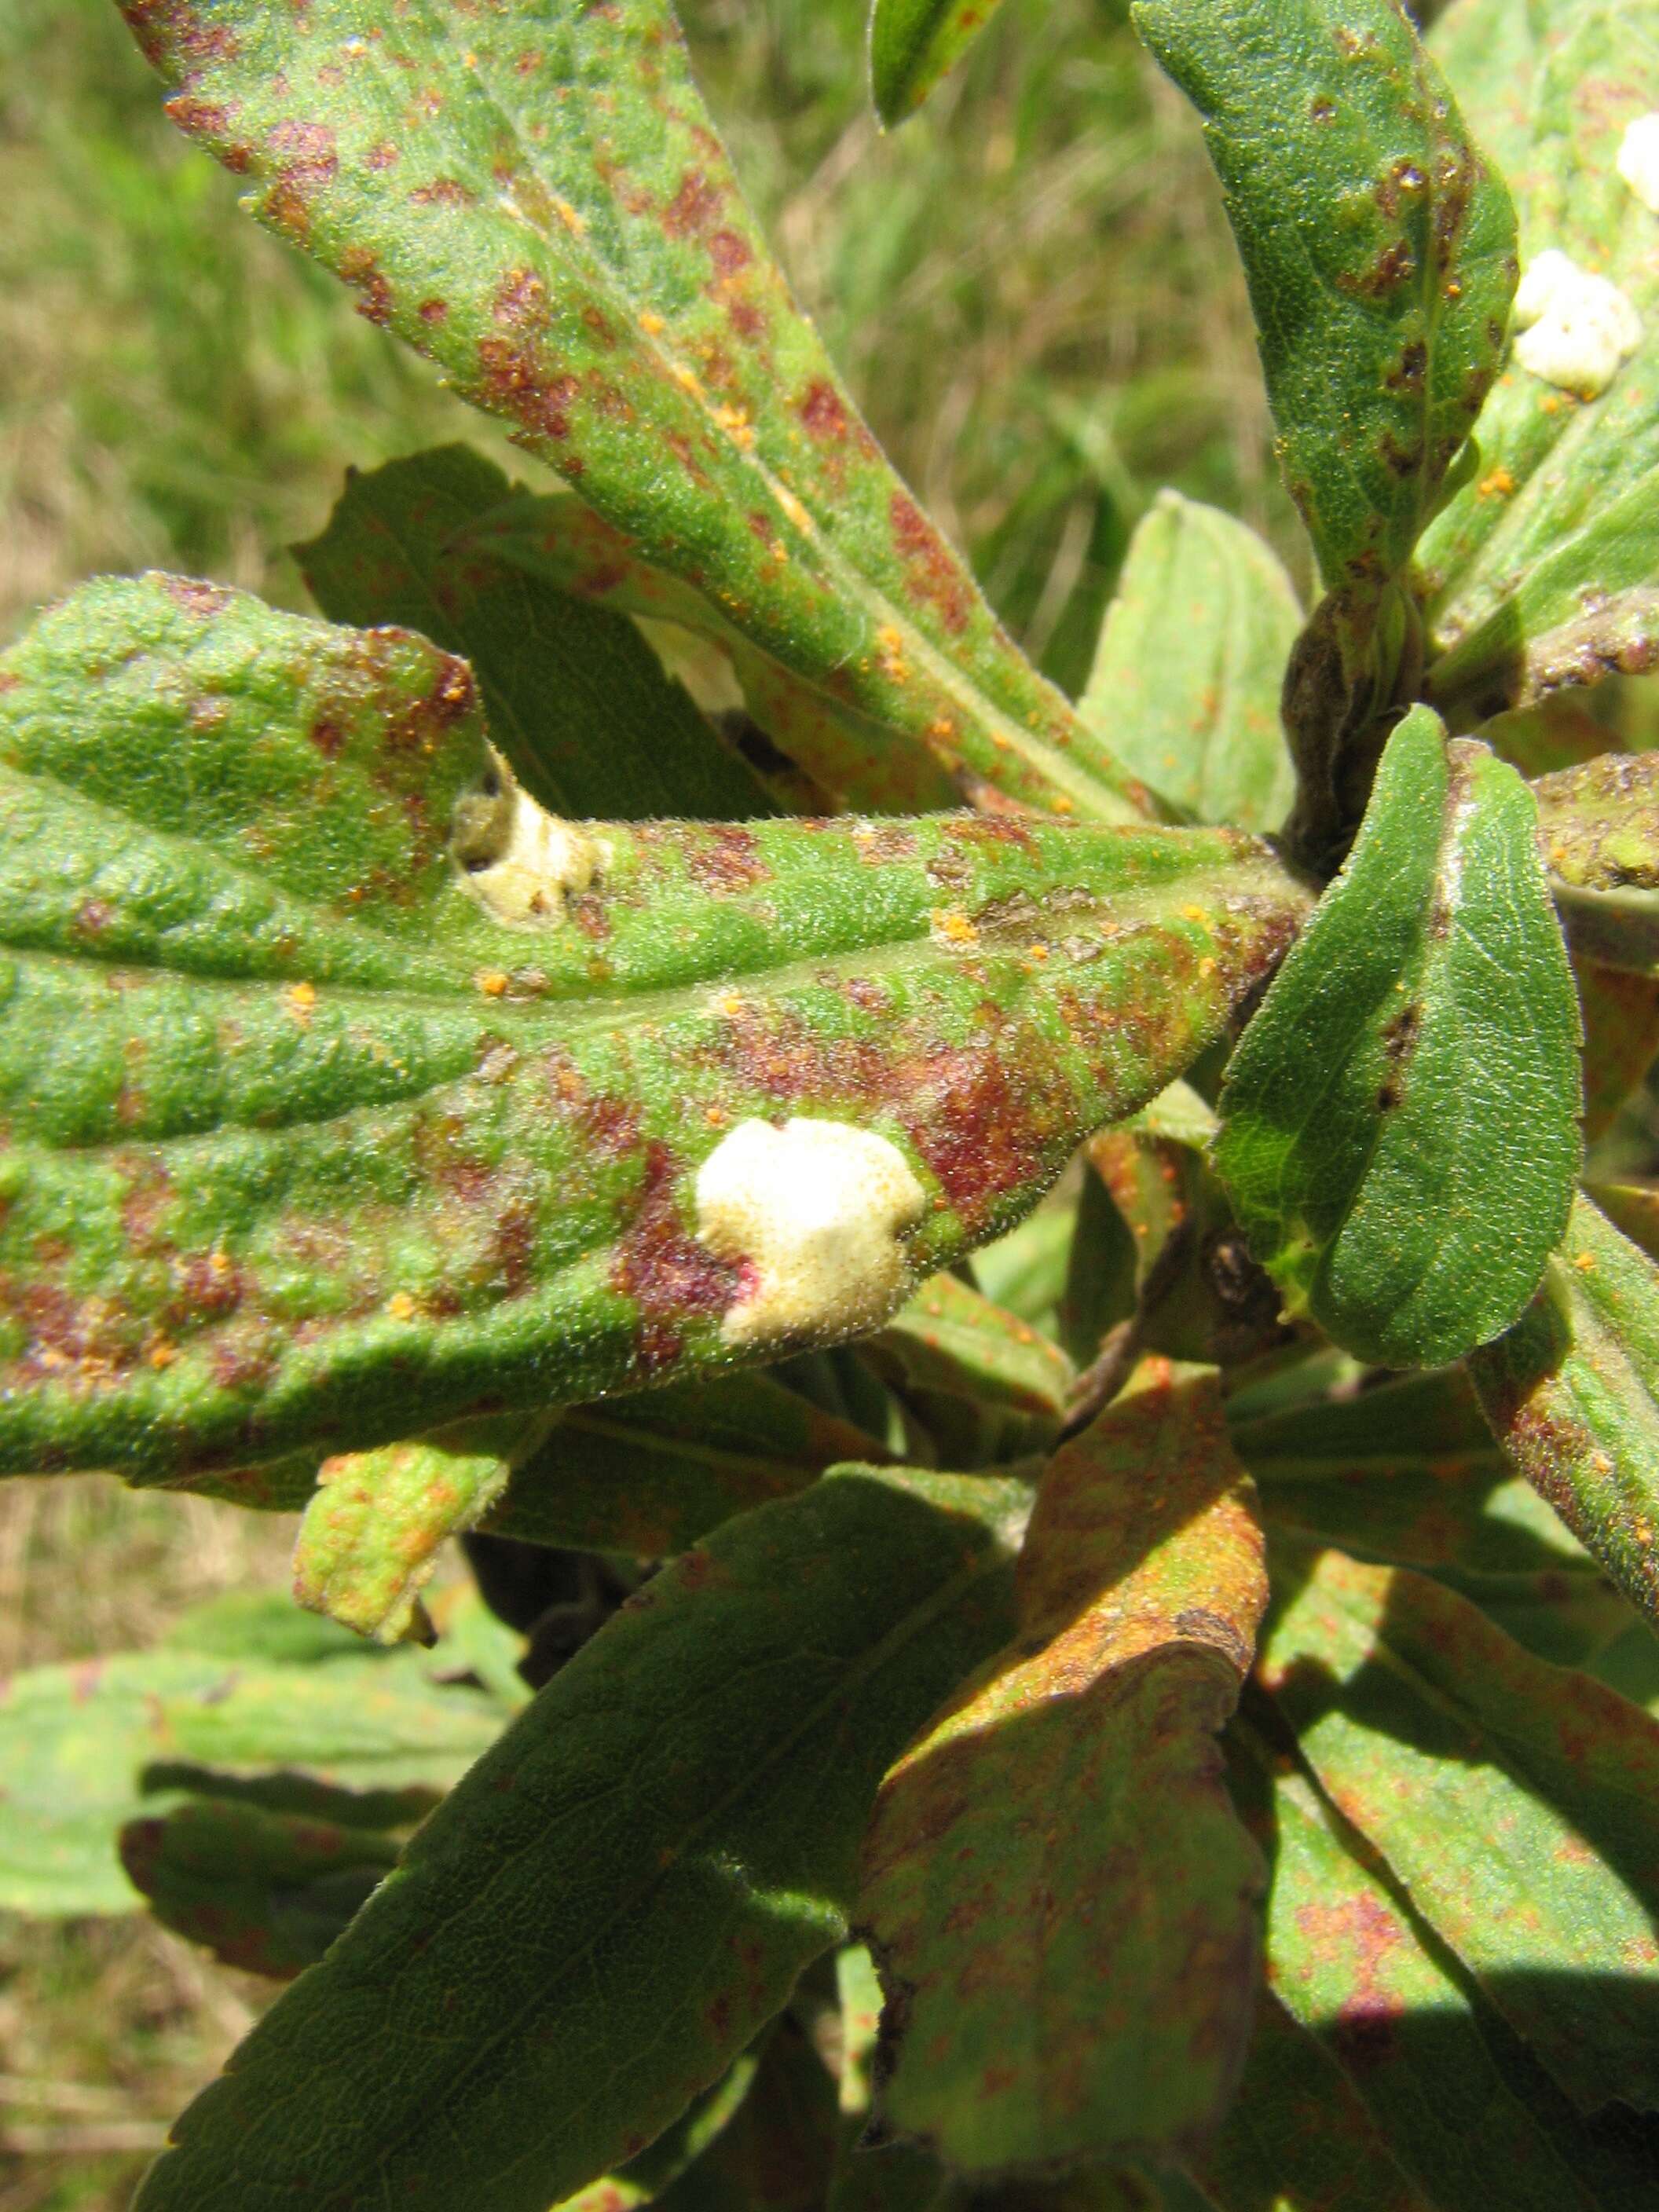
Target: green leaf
x,y
871,2174
1400,1135
915,43
555,222
388,1096
265,1892
650,1475
1435,1735
1044,2005
985,1386
561,541
775,2155
1539,571
1572,1393
1378,246
1408,1471
1620,1012
1600,827
1455,2095
594,1926
75,1743
1191,662
654,2171
575,697
370,1539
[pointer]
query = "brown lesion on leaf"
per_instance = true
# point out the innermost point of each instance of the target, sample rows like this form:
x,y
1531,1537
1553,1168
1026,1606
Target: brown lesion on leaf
x,y
1391,269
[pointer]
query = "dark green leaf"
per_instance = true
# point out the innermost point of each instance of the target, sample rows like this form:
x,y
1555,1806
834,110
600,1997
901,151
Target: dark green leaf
x,y
383,1094
914,43
1044,2005
555,222
575,697
266,1891
1186,680
1379,249
1572,1392
1516,1804
593,1927
654,2171
1400,1123
777,2152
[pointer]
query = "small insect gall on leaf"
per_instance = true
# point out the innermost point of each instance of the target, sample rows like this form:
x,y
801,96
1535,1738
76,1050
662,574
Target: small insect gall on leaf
x,y
518,860
1638,160
817,1212
1577,330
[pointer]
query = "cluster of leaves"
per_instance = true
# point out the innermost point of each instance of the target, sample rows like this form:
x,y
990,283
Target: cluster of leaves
x,y
1130,1683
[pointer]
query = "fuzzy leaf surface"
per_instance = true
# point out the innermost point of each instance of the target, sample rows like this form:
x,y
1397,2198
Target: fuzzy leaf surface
x,y
385,1094
1187,674
75,1743
1054,1879
595,1925
1400,1122
1540,571
573,694
1572,1394
915,43
1600,827
1456,2096
552,219
1379,252
1433,1733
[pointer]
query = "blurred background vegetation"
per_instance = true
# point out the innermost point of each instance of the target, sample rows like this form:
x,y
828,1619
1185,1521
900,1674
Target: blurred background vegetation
x,y
1032,289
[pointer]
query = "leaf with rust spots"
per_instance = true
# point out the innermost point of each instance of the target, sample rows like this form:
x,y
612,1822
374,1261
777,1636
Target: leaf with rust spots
x,y
370,1539
1299,2138
1379,252
533,197
597,1924
1516,1804
386,1096
575,697
652,1474
915,43
1457,2096
870,767
1055,1886
1600,829
1186,679
1400,1133
1539,573
1572,1394
77,1745
265,1892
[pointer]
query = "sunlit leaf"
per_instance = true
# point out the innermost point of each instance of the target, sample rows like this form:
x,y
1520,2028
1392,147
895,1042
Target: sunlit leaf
x,y
596,1925
1572,1392
914,43
1400,1122
1434,1735
383,1096
1187,679
1045,2005
551,218
1540,571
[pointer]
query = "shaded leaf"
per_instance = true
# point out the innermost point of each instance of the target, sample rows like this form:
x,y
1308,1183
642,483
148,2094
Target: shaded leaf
x,y
654,2171
1433,1733
1378,246
575,697
591,1930
1348,1959
952,1338
1620,1012
871,2174
1601,826
265,1892
1400,1122
555,222
1540,571
775,2154
390,1097
649,1475
1571,1390
915,43
78,1745
1041,2006
1191,662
